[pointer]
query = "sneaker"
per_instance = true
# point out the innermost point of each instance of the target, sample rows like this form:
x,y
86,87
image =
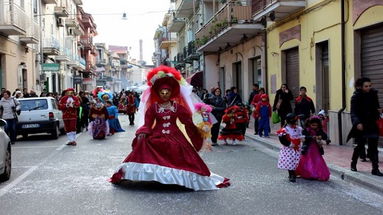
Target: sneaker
x,y
214,144
353,167
376,172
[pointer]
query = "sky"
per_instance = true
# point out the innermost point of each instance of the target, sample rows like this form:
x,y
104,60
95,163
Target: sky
x,y
143,18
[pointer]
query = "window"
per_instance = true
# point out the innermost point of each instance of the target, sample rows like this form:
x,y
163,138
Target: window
x,y
35,104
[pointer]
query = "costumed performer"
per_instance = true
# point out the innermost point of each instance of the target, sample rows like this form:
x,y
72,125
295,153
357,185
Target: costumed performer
x,y
202,120
69,105
131,107
114,123
98,127
161,151
231,130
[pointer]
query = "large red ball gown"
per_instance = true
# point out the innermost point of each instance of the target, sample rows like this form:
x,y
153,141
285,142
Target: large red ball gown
x,y
165,155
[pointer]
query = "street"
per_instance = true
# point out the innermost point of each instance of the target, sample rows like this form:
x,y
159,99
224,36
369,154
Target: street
x,y
49,177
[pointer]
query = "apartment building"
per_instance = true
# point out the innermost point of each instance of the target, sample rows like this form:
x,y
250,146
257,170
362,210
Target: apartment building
x,y
19,39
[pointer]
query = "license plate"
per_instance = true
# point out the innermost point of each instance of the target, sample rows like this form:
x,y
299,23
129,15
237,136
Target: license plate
x,y
31,126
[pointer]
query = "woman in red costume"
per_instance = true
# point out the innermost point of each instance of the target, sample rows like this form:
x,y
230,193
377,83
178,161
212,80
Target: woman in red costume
x,y
69,105
161,152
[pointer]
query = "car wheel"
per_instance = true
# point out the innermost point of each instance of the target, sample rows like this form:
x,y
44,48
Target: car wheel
x,y
8,165
56,133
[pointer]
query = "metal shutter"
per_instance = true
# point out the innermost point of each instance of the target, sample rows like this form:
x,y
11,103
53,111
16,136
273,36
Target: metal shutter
x,y
372,58
292,70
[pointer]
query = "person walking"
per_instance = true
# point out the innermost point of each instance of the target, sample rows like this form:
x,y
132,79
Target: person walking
x,y
234,98
219,106
253,93
282,103
85,110
365,111
254,102
69,105
263,113
9,107
131,107
304,106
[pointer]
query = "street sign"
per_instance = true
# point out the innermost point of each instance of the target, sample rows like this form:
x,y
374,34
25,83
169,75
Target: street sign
x,y
77,79
51,67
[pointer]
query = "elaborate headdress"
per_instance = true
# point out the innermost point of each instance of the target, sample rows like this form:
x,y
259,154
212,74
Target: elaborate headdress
x,y
105,95
167,77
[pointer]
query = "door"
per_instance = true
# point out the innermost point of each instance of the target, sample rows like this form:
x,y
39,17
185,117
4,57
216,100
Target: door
x,y
25,78
255,72
372,57
322,77
237,77
292,70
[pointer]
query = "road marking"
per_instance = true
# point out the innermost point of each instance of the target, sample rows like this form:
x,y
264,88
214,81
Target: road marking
x,y
32,147
11,185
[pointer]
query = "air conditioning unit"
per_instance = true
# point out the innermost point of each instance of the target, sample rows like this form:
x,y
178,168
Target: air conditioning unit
x,y
60,22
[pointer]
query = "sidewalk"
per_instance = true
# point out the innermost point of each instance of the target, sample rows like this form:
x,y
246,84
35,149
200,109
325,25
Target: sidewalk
x,y
338,159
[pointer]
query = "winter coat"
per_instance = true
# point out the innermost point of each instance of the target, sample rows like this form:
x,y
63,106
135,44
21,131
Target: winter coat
x,y
364,110
252,95
304,106
218,104
8,108
234,99
285,105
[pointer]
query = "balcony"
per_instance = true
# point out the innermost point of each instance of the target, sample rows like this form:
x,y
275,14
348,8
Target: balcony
x,y
280,8
61,11
176,24
88,21
65,55
50,1
231,25
71,22
51,46
184,8
33,33
101,62
78,2
167,42
13,20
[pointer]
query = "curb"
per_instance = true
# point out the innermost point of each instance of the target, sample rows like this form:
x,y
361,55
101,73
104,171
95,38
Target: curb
x,y
360,179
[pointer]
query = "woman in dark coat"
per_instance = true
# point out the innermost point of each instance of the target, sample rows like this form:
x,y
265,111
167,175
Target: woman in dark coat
x,y
364,114
282,103
219,106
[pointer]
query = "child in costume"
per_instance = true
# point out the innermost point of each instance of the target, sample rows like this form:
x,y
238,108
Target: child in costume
x,y
114,123
312,164
203,121
231,130
242,118
161,151
324,121
290,137
263,113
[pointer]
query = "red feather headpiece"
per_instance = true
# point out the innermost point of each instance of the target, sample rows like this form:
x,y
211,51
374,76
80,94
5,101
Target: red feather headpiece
x,y
162,72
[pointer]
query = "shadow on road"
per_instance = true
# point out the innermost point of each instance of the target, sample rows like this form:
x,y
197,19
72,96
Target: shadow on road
x,y
152,186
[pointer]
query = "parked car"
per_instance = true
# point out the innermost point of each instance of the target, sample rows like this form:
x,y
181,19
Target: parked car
x,y
39,115
5,153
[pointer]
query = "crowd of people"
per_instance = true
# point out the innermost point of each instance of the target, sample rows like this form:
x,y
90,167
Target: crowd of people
x,y
172,150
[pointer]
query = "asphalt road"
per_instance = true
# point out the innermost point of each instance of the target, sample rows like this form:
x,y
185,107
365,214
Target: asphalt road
x,y
51,178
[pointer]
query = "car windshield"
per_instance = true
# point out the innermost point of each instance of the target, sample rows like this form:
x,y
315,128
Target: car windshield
x,y
36,104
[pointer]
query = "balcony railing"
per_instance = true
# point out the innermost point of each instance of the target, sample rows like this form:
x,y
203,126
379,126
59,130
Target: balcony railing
x,y
228,15
13,20
281,8
51,46
33,33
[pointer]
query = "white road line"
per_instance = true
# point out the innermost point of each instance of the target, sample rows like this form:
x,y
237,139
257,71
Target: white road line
x,y
5,189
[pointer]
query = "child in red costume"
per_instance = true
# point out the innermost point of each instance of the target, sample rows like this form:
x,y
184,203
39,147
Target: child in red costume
x,y
231,130
69,105
263,113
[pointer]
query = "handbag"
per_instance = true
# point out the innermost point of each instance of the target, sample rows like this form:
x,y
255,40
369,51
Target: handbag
x,y
18,112
379,122
275,118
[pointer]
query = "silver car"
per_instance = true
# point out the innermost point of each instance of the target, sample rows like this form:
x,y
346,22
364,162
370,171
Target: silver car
x,y
5,153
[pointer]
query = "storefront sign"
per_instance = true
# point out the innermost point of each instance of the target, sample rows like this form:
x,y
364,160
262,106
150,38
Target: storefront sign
x,y
52,67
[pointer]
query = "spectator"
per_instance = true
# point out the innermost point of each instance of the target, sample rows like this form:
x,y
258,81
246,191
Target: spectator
x,y
25,93
254,102
219,106
18,94
14,92
282,103
9,106
253,93
33,94
365,111
234,98
2,92
263,113
304,106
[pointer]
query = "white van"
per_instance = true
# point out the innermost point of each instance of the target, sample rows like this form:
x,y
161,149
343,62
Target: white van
x,y
39,115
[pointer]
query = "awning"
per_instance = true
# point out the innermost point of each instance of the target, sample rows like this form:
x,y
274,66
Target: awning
x,y
196,79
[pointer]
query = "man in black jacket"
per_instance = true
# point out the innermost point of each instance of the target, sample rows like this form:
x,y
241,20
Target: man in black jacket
x,y
365,110
304,106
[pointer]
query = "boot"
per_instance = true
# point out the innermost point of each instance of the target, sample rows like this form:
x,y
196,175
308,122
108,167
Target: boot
x,y
353,167
376,172
292,177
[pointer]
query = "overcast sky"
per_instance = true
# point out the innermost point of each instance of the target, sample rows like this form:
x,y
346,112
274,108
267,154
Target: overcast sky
x,y
143,17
